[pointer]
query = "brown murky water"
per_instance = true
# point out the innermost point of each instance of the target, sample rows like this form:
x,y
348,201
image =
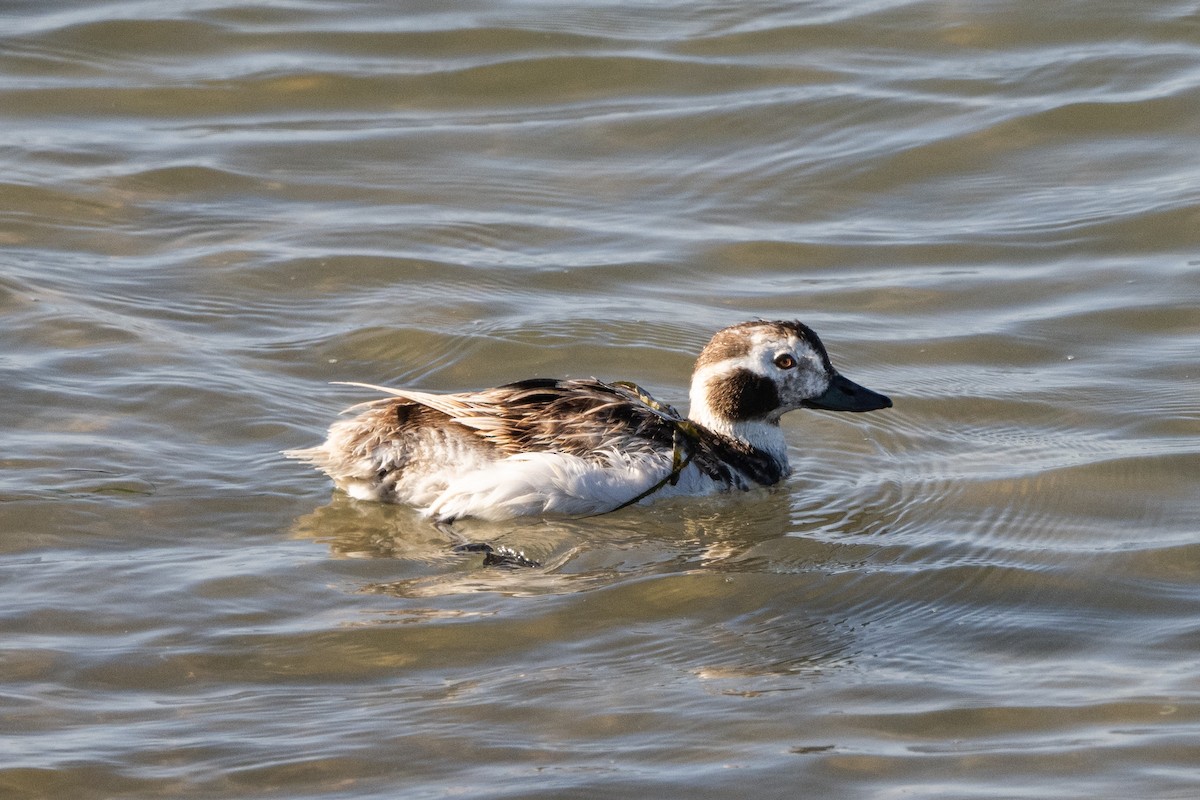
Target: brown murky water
x,y
991,212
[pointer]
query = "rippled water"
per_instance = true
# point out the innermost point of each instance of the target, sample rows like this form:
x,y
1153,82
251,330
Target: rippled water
x,y
991,212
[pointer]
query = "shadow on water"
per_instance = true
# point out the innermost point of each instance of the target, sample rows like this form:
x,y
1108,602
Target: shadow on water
x,y
746,591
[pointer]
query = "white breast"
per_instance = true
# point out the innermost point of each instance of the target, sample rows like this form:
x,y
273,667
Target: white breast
x,y
555,483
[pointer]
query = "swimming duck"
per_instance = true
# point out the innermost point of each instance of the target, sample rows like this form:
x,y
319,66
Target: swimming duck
x,y
583,447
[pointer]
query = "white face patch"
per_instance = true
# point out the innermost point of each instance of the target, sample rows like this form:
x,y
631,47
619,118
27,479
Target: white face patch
x,y
809,378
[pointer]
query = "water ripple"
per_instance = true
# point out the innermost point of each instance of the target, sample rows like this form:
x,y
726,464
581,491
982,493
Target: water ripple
x,y
988,212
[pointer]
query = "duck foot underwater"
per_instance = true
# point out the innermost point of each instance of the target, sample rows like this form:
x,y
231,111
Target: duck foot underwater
x,y
497,555
494,555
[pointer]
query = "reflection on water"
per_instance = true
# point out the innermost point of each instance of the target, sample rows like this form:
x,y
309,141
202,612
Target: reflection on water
x,y
706,533
210,212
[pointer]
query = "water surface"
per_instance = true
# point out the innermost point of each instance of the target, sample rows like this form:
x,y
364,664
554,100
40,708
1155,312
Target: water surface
x,y
991,213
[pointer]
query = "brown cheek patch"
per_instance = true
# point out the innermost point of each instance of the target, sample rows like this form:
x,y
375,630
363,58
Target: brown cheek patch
x,y
742,395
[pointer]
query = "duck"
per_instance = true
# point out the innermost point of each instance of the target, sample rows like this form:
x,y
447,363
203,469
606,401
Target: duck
x,y
583,447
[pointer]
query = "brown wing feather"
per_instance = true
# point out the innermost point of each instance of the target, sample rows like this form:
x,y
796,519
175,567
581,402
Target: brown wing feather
x,y
577,417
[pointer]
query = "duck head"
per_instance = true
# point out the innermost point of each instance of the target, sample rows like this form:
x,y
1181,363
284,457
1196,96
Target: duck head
x,y
751,374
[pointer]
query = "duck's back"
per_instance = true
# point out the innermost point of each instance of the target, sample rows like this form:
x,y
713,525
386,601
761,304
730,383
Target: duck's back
x,y
582,418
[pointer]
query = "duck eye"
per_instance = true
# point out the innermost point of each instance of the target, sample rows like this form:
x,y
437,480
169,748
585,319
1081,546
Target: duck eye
x,y
785,361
